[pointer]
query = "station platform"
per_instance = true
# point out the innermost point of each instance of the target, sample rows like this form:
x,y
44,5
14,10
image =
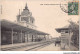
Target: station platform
x,y
18,46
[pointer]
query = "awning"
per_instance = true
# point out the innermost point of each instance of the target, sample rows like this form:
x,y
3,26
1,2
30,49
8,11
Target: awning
x,y
17,27
63,28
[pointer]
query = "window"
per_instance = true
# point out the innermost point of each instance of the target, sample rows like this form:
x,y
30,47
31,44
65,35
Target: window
x,y
66,31
25,19
32,21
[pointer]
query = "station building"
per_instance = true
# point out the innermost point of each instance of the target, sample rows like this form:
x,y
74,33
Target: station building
x,y
69,37
66,35
22,31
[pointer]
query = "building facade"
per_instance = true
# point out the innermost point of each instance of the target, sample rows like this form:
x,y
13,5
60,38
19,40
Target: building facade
x,y
25,18
22,31
65,36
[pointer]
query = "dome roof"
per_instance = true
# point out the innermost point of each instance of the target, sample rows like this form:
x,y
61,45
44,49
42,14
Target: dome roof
x,y
25,13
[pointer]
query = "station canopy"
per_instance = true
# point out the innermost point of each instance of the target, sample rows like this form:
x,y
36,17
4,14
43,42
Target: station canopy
x,y
63,28
8,25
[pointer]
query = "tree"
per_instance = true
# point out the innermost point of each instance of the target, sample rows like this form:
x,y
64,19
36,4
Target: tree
x,y
74,27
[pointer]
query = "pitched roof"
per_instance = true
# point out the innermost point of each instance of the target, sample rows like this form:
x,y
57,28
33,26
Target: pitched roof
x,y
17,27
63,28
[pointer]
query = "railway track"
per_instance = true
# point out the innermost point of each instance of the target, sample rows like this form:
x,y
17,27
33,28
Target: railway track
x,y
38,47
27,47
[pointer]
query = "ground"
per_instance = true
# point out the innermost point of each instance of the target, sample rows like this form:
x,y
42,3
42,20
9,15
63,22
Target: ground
x,y
51,47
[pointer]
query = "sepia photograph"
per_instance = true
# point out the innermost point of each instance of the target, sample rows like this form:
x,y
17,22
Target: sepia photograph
x,y
39,25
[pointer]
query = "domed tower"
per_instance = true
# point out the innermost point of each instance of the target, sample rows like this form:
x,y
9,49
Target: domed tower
x,y
26,18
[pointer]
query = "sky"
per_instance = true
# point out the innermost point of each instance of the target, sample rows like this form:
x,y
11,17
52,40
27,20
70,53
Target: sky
x,y
47,17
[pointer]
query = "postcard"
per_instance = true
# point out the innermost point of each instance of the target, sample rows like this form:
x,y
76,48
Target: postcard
x,y
39,25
